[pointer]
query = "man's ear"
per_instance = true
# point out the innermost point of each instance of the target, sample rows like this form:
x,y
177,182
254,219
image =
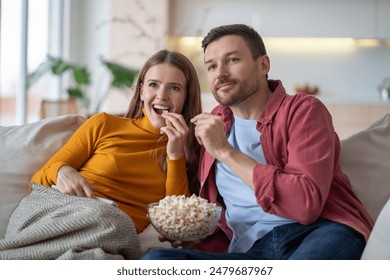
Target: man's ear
x,y
264,64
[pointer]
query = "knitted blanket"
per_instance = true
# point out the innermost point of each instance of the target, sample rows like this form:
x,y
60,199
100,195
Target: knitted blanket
x,y
50,225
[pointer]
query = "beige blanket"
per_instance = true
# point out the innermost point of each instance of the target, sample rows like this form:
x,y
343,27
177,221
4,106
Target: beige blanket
x,y
51,225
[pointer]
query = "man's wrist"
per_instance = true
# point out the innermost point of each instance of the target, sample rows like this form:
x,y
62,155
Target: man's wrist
x,y
225,154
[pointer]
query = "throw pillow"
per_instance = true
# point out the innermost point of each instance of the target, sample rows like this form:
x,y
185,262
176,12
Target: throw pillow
x,y
365,158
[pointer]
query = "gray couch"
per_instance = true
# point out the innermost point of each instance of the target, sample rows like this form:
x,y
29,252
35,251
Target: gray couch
x,y
365,158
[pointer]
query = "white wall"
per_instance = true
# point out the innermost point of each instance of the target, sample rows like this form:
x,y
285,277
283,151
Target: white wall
x,y
125,31
138,29
352,74
129,31
285,18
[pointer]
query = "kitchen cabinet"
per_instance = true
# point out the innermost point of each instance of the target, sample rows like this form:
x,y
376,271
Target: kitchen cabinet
x,y
350,118
285,18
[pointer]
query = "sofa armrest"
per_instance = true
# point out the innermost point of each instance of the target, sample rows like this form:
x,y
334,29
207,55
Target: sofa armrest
x,y
378,247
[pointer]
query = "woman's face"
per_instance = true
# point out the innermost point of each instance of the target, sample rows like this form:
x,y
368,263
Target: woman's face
x,y
164,88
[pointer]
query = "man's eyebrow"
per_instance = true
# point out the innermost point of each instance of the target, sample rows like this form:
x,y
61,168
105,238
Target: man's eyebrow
x,y
207,61
227,54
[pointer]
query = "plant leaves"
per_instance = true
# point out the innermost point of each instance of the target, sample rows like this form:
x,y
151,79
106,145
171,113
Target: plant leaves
x,y
80,94
42,69
58,66
122,76
80,74
75,92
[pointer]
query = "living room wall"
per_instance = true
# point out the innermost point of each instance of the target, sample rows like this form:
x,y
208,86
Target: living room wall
x,y
125,31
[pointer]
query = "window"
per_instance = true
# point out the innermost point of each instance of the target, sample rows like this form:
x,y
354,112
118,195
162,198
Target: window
x,y
10,53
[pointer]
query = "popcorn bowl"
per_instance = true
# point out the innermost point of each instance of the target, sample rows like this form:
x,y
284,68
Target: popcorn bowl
x,y
184,218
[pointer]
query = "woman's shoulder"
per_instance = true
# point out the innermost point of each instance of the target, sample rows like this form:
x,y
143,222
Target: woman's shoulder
x,y
106,120
104,116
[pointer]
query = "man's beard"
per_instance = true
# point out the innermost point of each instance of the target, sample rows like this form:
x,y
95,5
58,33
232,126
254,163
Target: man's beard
x,y
236,97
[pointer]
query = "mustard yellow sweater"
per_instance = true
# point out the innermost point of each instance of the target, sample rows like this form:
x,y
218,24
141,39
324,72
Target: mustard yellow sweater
x,y
120,159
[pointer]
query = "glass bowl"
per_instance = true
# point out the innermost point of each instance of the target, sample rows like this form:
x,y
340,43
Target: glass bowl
x,y
184,223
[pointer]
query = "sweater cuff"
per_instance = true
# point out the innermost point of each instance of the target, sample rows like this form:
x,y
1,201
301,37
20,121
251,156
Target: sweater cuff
x,y
52,171
176,166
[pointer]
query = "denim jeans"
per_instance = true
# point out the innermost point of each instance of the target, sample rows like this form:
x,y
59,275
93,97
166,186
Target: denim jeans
x,y
322,240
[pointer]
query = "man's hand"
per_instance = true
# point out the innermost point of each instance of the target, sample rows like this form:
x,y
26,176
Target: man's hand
x,y
209,131
70,181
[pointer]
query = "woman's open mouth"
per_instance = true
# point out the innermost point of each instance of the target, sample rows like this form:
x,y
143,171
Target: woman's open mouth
x,y
161,109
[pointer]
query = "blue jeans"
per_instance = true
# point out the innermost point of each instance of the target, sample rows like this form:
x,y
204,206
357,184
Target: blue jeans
x,y
322,240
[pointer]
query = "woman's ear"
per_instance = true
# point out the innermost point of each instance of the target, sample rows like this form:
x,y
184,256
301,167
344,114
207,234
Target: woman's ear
x,y
141,93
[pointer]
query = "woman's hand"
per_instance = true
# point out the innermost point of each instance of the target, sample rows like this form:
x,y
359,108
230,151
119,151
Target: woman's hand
x,y
177,131
70,181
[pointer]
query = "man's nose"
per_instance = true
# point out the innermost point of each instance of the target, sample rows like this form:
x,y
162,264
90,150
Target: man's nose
x,y
222,73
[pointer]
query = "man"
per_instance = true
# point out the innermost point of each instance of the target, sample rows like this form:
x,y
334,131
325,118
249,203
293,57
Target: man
x,y
272,161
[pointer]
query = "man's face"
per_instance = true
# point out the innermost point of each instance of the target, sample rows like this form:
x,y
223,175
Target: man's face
x,y
232,73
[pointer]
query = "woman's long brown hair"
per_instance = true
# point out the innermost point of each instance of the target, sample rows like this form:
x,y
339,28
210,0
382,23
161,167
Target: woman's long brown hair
x,y
192,105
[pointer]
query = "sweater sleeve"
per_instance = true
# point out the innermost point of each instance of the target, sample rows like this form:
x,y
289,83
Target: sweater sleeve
x,y
176,183
74,153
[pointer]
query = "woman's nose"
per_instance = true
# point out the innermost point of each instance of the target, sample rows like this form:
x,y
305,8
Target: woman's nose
x,y
162,94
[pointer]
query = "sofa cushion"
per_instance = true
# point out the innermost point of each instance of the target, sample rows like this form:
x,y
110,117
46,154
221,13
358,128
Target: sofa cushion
x,y
24,150
377,247
365,158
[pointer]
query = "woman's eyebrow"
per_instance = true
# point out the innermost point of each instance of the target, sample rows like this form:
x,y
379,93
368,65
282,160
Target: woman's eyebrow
x,y
176,84
152,80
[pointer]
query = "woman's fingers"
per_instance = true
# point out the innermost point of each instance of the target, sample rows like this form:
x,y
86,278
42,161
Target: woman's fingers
x,y
176,121
88,190
71,182
177,131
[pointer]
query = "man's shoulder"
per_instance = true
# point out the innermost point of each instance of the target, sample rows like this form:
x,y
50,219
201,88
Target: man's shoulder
x,y
302,99
301,104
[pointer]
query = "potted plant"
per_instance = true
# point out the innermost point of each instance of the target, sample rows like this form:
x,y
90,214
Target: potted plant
x,y
121,77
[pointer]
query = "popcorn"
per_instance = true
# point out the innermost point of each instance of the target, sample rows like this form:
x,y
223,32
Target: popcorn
x,y
184,218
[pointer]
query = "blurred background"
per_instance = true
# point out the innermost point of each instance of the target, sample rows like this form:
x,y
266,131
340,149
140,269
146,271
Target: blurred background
x,y
91,50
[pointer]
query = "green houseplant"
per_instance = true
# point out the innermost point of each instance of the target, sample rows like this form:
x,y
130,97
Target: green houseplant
x,y
122,77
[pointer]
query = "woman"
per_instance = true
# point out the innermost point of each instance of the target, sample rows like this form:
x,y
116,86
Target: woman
x,y
140,158
134,160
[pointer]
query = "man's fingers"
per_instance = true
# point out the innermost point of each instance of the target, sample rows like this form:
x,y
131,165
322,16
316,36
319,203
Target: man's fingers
x,y
199,140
